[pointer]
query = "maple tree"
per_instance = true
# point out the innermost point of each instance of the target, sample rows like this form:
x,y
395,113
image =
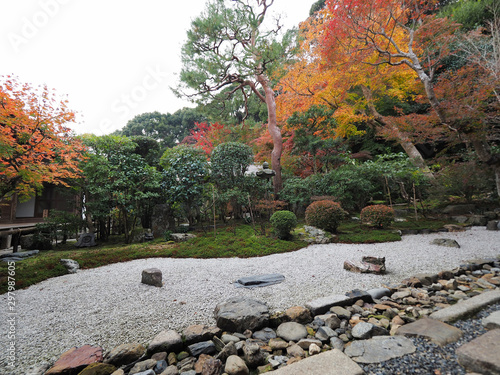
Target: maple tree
x,y
36,146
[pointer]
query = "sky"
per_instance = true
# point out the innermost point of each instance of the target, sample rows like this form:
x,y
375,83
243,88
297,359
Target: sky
x,y
112,59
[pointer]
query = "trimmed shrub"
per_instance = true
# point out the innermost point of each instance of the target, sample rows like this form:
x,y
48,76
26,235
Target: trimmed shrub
x,y
378,215
283,222
325,214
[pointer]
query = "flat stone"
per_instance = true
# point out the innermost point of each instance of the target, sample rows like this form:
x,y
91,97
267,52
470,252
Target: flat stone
x,y
166,341
260,280
20,254
324,333
378,293
323,304
291,331
437,332
492,321
76,359
481,354
265,334
379,349
205,347
238,314
466,307
125,354
143,366
306,343
331,362
199,332
445,242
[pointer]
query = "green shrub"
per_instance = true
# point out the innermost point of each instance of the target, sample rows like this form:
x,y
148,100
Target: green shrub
x,y
378,215
283,222
325,215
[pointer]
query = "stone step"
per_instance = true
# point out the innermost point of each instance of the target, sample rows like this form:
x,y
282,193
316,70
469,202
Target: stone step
x,y
481,354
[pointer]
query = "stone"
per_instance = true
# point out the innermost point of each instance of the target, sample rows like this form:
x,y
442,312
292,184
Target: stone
x,y
228,350
146,372
314,349
86,240
445,242
437,332
337,343
466,307
324,333
226,338
236,366
277,344
299,314
265,334
204,347
71,265
331,362
454,228
187,364
492,321
306,343
171,370
166,341
146,365
379,349
260,280
76,359
359,297
98,369
160,366
211,367
239,313
332,321
378,293
481,354
198,366
181,237
493,225
364,330
152,276
291,331
323,304
459,209
125,354
313,235
252,355
120,372
199,332
363,267
295,351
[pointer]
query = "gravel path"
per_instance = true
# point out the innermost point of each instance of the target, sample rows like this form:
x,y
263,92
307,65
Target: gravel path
x,y
108,306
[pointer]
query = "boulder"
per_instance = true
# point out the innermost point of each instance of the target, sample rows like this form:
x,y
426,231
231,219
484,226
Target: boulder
x,y
313,235
71,265
299,314
76,359
86,240
291,331
459,209
260,280
236,366
238,314
181,237
205,347
125,354
363,267
166,341
493,225
152,276
199,332
445,242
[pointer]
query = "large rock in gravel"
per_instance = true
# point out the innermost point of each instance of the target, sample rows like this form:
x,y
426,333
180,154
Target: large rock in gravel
x,y
291,331
239,313
125,354
447,242
152,276
166,341
76,359
481,354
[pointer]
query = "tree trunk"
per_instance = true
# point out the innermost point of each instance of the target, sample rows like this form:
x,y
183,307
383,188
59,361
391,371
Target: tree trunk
x,y
275,132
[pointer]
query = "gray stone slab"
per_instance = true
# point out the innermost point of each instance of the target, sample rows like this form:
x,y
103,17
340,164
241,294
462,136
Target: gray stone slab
x,y
466,308
332,362
20,254
379,349
259,281
322,305
481,354
492,321
434,330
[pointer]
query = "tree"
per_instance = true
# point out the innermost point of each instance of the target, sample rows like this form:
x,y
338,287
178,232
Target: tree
x,y
36,146
229,51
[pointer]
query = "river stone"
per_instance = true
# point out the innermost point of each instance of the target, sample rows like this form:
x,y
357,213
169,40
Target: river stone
x,y
364,330
265,334
379,349
291,331
166,341
253,355
378,293
236,366
146,365
445,242
76,359
306,343
341,312
98,369
125,354
299,314
199,332
205,347
238,314
324,333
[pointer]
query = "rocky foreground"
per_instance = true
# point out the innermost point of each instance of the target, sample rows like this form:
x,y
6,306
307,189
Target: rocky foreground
x,y
370,332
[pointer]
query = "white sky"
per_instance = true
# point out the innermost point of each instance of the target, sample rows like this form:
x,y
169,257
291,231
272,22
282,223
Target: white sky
x,y
114,59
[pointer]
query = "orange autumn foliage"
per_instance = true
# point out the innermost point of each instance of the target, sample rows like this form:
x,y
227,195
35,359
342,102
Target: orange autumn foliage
x,y
36,146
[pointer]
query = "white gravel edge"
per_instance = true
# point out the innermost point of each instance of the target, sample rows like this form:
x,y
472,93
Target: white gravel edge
x,y
109,306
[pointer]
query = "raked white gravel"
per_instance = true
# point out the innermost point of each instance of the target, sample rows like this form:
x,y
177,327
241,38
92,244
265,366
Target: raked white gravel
x,y
109,306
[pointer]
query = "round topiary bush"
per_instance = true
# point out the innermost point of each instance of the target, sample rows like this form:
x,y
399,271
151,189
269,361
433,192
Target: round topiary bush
x,y
283,222
325,214
379,215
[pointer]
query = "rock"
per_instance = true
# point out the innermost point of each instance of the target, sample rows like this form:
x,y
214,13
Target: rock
x,y
181,237
379,349
493,225
238,314
332,321
211,367
76,359
227,351
492,321
313,235
20,254
125,354
324,333
86,240
462,209
295,351
199,332
265,334
363,267
166,341
378,293
252,355
198,366
299,314
187,364
439,333
148,364
323,304
291,331
171,370
160,366
481,354
445,242
152,276
71,265
277,344
359,296
236,366
226,339
477,220
306,343
454,228
337,343
260,281
146,372
205,347
364,330
98,369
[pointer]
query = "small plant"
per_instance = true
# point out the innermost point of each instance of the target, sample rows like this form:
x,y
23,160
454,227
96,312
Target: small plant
x,y
283,222
378,215
325,214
